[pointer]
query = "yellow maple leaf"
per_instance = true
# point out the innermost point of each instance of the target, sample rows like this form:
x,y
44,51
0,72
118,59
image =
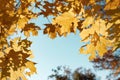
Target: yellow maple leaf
x,y
88,21
100,27
65,21
112,4
21,22
31,67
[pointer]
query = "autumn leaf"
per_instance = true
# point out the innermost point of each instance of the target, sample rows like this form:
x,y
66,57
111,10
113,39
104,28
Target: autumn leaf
x,y
88,21
31,67
65,21
21,22
112,4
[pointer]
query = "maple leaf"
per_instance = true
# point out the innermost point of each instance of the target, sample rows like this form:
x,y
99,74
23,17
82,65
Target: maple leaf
x,y
31,67
15,60
112,4
30,28
65,21
88,21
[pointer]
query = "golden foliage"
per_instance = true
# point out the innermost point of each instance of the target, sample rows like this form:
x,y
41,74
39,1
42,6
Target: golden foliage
x,y
15,59
97,21
15,16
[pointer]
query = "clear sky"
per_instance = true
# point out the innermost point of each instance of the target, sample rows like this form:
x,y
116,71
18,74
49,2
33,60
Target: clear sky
x,y
50,53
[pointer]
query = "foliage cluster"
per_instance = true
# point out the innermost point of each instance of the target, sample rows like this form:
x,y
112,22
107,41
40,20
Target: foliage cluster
x,y
98,22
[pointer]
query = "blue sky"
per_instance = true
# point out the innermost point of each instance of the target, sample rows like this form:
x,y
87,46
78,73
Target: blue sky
x,y
50,53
